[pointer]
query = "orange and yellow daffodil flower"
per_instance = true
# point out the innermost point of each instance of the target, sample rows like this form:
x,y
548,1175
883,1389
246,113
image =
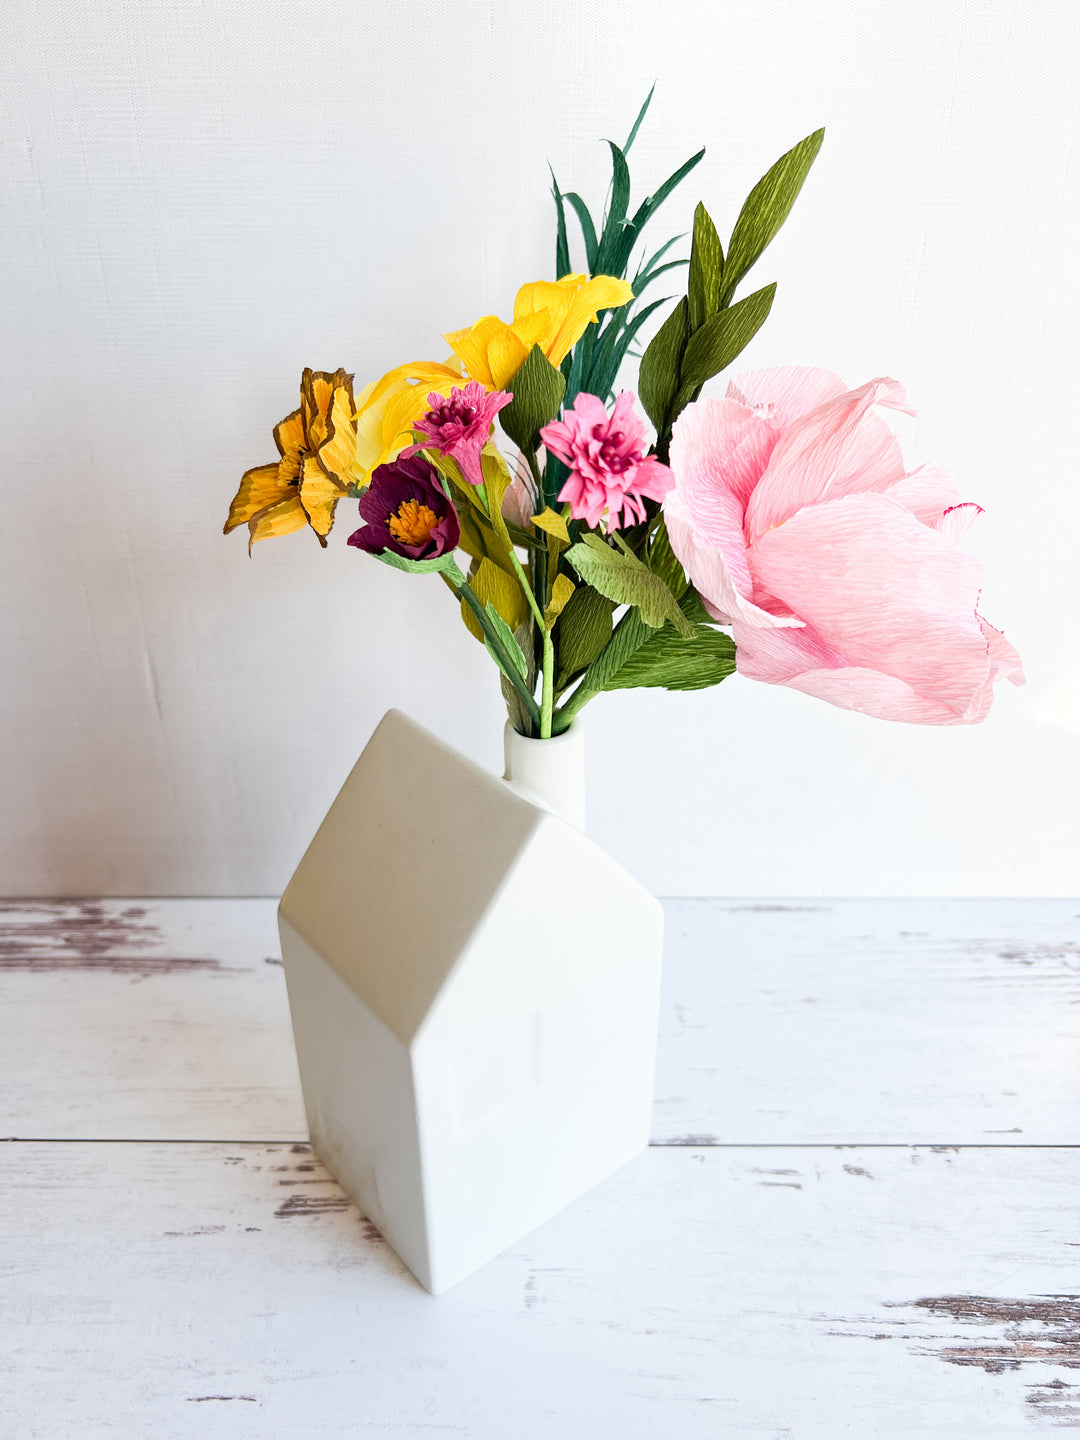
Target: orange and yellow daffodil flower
x,y
553,314
316,444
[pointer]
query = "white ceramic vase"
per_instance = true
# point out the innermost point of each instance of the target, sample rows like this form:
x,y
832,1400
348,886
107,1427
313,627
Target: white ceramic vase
x,y
474,990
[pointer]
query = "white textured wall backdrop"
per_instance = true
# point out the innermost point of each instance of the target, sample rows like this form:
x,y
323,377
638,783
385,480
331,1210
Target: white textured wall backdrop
x,y
201,198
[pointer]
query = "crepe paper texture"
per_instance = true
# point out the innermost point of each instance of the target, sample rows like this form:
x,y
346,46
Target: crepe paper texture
x,y
774,531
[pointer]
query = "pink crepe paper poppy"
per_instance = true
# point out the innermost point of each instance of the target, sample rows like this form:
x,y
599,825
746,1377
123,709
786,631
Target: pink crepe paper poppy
x,y
837,571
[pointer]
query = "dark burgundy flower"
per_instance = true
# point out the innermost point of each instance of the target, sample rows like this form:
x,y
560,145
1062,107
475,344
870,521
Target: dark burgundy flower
x,y
406,512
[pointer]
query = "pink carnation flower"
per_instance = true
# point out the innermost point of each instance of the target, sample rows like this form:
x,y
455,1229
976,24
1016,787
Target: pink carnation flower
x,y
610,472
459,427
838,571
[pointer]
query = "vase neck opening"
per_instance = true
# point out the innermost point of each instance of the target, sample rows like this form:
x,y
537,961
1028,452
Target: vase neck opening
x,y
550,773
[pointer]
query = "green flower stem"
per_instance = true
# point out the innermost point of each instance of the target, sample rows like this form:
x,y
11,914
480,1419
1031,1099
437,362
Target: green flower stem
x,y
547,693
464,591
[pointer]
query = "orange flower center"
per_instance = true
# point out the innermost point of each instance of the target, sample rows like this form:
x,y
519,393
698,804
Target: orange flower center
x,y
413,523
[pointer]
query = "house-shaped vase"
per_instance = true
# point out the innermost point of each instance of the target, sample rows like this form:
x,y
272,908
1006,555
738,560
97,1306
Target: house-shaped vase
x,y
474,989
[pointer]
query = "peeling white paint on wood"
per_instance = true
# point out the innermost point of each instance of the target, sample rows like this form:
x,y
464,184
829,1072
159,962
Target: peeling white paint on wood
x,y
783,1022
805,1292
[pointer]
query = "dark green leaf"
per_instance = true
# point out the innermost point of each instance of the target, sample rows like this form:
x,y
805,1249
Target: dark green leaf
x,y
615,218
706,270
663,561
658,377
766,209
641,281
588,232
649,207
610,353
623,578
644,270
538,391
674,663
583,630
562,248
713,347
637,123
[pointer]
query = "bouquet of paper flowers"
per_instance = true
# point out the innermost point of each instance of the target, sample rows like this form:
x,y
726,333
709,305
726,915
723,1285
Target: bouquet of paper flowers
x,y
773,530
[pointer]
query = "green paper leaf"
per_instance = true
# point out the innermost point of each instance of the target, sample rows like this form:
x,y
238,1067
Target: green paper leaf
x,y
624,579
637,123
673,662
721,338
509,643
588,233
538,389
562,248
418,567
583,630
615,219
649,207
664,562
706,270
659,375
612,349
767,207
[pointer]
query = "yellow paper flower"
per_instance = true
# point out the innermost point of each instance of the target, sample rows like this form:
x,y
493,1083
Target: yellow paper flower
x,y
316,444
387,410
553,314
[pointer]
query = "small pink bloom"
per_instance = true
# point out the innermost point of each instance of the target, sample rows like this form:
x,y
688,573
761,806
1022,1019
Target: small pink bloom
x,y
837,571
460,427
610,471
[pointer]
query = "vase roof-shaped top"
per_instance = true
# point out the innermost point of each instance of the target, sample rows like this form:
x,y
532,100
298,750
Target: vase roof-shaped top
x,y
411,854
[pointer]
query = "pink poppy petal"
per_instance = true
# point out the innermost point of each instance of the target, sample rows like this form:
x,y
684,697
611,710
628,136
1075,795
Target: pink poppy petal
x,y
786,393
887,592
927,492
841,448
718,582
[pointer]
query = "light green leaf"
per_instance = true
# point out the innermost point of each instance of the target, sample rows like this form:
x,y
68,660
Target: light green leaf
x,y
624,579
659,374
418,567
509,643
673,662
583,631
706,270
767,207
713,347
538,391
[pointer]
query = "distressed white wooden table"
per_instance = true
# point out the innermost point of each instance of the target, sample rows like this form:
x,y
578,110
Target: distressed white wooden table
x,y
860,1214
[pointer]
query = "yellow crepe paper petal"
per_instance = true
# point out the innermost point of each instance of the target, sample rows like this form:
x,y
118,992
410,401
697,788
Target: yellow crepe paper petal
x,y
258,489
553,523
490,583
289,435
560,594
319,495
280,519
603,292
471,347
506,354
